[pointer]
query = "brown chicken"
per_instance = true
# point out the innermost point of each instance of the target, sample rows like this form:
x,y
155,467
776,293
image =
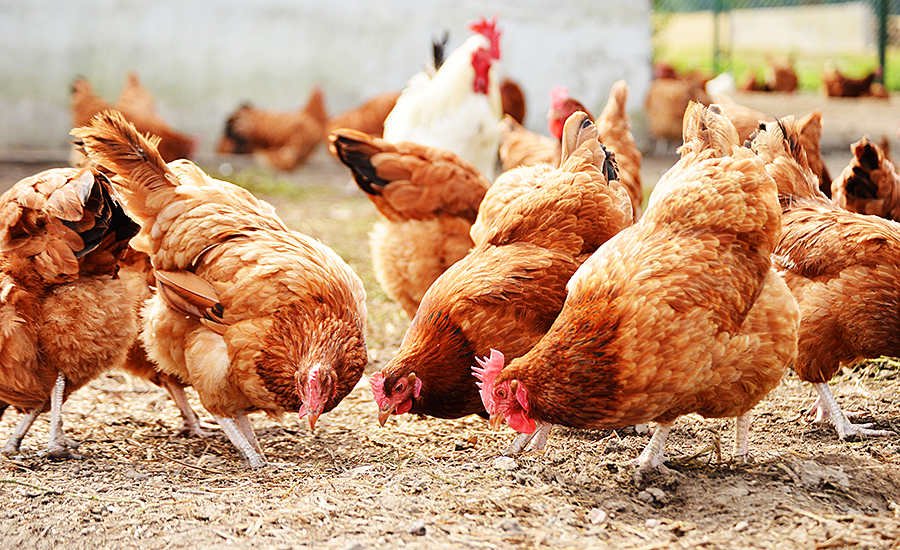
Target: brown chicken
x,y
368,117
665,105
695,273
137,101
86,104
781,76
513,100
745,119
842,267
543,223
253,315
615,133
281,140
869,184
64,314
428,199
839,85
810,139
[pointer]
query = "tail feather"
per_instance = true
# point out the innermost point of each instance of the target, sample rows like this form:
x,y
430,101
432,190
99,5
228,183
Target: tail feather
x,y
581,143
114,144
355,150
315,106
708,128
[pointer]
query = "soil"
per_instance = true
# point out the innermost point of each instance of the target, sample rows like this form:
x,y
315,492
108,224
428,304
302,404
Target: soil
x,y
426,483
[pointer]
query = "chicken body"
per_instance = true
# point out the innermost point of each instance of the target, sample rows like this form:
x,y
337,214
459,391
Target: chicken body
x,y
368,117
428,199
869,184
254,316
665,105
444,110
64,314
695,273
842,267
534,228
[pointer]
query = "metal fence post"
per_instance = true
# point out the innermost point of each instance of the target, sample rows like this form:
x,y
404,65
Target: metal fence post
x,y
717,9
882,36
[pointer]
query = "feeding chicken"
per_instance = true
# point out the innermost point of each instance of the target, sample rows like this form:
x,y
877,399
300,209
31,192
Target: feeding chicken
x,y
64,314
869,184
428,199
253,315
694,272
842,267
458,108
85,103
281,140
534,228
368,117
838,84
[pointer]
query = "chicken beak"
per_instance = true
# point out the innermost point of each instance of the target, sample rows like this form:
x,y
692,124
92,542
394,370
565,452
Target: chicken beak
x,y
313,418
496,421
384,414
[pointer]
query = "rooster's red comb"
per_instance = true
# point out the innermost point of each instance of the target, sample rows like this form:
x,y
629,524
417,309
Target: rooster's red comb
x,y
488,29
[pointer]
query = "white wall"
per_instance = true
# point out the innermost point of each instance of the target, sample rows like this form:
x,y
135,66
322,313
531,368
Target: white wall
x,y
202,57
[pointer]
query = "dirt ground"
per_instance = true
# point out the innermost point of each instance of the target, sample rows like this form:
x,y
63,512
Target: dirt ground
x,y
426,483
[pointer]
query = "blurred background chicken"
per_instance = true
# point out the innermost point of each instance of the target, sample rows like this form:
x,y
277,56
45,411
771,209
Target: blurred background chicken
x,y
65,316
869,184
254,316
283,141
842,267
368,117
512,100
837,84
534,228
458,108
428,199
680,313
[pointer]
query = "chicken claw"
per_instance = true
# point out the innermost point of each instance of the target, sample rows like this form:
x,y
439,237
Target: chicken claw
x,y
59,446
533,442
15,440
653,456
829,409
239,440
192,426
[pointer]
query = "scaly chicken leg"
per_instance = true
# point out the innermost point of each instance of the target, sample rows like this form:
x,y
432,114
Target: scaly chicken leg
x,y
742,436
246,428
15,440
191,423
829,409
58,445
654,454
533,442
239,440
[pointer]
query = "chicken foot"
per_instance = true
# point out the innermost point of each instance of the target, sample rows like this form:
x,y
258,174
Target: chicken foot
x,y
845,429
15,440
654,454
239,440
191,426
742,436
246,428
533,442
58,445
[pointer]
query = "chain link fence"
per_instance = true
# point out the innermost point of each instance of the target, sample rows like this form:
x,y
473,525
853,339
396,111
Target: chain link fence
x,y
741,36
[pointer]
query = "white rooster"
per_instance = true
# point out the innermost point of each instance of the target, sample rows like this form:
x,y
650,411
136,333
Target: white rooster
x,y
458,107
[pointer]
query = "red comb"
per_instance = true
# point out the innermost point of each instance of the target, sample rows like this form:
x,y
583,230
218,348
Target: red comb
x,y
486,372
488,29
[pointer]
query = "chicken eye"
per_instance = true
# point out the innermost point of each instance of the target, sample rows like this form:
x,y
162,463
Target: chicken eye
x,y
501,393
398,388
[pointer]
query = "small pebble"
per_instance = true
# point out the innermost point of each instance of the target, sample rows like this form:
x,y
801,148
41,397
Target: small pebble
x,y
505,463
740,526
511,526
597,516
653,494
417,529
652,522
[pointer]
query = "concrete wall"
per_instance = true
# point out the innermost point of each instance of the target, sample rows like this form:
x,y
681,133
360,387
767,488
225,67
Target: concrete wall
x,y
202,57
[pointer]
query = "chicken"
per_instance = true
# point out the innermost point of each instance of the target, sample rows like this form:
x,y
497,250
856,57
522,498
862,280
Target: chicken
x,y
810,139
458,108
534,227
753,84
694,273
86,104
522,147
615,132
137,101
842,267
281,140
839,85
251,314
665,105
136,271
64,314
745,120
368,117
869,184
428,199
512,99
781,76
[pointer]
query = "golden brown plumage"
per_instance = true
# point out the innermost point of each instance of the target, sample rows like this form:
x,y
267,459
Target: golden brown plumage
x,y
869,184
839,85
253,315
693,272
842,267
281,140
368,117
615,133
665,105
428,199
64,314
513,100
509,288
135,100
522,147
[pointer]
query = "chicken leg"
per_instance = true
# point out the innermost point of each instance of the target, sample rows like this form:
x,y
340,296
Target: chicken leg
x,y
533,442
742,436
845,429
239,440
654,454
246,428
58,445
15,440
191,423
